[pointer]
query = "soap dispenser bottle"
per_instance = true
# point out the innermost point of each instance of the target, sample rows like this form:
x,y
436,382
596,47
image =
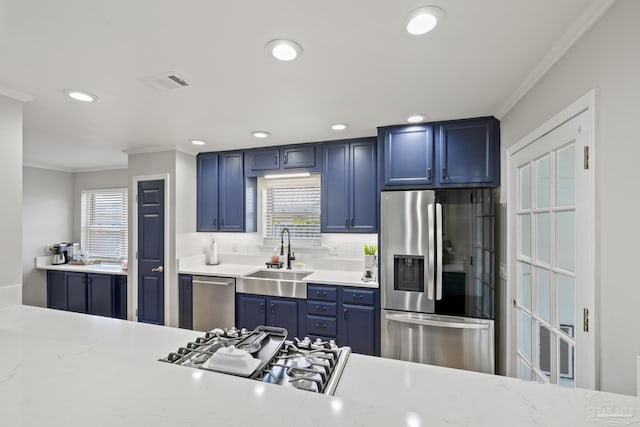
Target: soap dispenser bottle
x,y
212,256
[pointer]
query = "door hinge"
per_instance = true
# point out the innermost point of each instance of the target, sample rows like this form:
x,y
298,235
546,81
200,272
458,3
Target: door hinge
x,y
136,254
586,157
585,319
136,313
136,198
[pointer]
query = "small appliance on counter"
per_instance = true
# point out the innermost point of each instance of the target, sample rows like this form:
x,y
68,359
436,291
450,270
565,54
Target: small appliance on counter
x,y
59,254
265,355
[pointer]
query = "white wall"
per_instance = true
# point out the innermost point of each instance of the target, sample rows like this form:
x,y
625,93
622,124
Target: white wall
x,y
606,58
95,180
11,213
47,219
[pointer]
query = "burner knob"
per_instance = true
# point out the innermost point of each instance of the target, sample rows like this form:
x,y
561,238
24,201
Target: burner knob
x,y
332,344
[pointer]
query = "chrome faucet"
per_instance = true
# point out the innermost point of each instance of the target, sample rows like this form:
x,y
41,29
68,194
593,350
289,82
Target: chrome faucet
x,y
290,255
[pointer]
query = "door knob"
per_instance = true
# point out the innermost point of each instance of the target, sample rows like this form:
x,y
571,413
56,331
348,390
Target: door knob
x,y
158,269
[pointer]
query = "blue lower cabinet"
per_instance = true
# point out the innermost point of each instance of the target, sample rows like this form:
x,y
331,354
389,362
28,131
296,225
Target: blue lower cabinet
x,y
358,328
322,325
185,301
283,313
76,292
56,290
92,293
100,298
250,311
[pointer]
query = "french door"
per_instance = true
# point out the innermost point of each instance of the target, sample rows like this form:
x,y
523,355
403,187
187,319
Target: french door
x,y
552,262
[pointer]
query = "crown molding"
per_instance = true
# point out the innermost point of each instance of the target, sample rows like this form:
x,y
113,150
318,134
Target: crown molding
x,y
592,13
47,167
158,149
16,94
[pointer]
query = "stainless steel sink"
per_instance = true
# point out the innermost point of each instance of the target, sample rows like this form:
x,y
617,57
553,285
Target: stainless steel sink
x,y
281,283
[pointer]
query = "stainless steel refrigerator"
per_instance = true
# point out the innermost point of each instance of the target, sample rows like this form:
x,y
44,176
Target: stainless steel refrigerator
x,y
437,262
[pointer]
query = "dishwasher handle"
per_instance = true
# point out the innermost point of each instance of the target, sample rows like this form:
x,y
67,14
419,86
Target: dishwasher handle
x,y
439,323
204,280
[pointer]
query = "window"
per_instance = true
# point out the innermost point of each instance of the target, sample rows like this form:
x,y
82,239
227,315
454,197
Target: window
x,y
293,203
104,222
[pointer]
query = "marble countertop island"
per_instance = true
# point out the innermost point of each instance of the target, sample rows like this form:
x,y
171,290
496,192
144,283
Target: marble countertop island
x,y
66,369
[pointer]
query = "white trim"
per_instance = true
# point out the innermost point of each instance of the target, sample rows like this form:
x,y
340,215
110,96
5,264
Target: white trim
x,y
168,239
585,104
159,149
59,169
591,14
16,94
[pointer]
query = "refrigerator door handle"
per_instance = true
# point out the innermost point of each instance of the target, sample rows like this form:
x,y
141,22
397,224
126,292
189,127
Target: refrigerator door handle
x,y
439,251
430,271
439,323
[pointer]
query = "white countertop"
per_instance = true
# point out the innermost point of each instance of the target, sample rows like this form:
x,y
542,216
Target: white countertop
x,y
67,369
44,263
328,277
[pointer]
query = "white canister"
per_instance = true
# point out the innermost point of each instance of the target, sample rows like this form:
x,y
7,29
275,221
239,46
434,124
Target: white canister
x,y
212,256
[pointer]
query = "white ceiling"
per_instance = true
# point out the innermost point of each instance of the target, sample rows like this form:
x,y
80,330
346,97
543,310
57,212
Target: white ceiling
x,y
359,67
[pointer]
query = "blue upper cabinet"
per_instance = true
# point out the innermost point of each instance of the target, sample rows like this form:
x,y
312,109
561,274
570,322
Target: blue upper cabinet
x,y
221,195
298,158
264,159
349,193
207,192
408,155
461,153
469,153
231,192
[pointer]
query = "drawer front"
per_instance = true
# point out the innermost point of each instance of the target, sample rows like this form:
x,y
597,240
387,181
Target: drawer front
x,y
358,296
321,308
324,326
321,293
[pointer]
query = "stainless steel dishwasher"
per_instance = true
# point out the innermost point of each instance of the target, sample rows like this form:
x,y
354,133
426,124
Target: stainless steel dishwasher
x,y
213,302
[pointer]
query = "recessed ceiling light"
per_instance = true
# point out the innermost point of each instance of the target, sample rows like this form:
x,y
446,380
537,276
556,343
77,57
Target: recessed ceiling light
x,y
340,126
284,50
424,19
416,118
81,96
260,134
197,142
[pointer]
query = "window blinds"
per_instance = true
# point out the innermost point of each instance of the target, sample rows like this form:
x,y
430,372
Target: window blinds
x,y
104,222
294,204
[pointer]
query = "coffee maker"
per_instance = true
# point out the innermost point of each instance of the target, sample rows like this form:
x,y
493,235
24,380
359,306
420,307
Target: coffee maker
x,y
59,254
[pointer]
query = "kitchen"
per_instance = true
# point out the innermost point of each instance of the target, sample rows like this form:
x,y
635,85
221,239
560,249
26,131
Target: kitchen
x,y
567,81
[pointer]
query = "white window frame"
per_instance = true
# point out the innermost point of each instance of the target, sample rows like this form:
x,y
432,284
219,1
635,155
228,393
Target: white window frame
x,y
262,213
125,229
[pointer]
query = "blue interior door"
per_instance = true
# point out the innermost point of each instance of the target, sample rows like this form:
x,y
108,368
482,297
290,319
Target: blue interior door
x,y
151,252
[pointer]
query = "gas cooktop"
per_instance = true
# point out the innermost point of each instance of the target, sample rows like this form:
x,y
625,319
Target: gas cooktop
x,y
265,354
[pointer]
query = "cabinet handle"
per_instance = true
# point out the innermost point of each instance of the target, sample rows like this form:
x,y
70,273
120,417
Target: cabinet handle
x,y
321,325
359,296
222,222
215,222
445,173
321,308
346,222
345,315
276,159
286,159
321,294
273,309
429,174
353,222
261,307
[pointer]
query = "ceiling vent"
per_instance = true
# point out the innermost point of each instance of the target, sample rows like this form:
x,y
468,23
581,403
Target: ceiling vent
x,y
165,81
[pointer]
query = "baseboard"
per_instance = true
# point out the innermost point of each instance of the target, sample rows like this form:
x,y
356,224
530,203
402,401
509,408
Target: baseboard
x,y
10,295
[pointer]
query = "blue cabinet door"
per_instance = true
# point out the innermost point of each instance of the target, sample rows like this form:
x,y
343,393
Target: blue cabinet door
x,y
302,156
56,290
185,301
250,311
207,192
76,292
231,192
264,159
283,313
120,297
336,215
408,156
363,187
468,152
358,328
100,299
